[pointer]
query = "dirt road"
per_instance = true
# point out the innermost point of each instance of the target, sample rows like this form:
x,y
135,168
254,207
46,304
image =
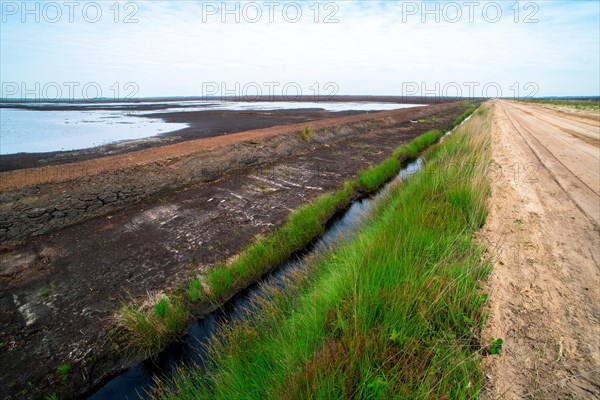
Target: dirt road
x,y
543,232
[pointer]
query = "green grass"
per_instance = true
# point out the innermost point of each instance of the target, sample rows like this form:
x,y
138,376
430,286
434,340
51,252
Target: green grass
x,y
465,114
370,179
393,314
303,226
63,370
194,290
417,145
161,308
306,224
306,133
153,325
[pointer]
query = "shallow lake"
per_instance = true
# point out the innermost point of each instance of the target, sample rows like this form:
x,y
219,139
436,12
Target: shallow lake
x,y
38,131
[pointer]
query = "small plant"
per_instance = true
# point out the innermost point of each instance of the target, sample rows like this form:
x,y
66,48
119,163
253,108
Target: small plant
x,y
52,396
397,337
45,292
306,133
155,323
378,389
63,370
162,307
495,346
194,290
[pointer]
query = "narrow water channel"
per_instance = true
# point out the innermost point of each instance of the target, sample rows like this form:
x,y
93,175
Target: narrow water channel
x,y
137,381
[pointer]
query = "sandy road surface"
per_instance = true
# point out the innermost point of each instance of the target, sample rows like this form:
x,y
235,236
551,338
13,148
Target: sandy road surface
x,y
543,232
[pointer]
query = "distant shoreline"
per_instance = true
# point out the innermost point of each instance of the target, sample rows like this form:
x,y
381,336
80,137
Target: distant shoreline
x,y
322,98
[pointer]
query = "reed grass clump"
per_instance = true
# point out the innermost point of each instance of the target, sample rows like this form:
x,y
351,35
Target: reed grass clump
x,y
158,321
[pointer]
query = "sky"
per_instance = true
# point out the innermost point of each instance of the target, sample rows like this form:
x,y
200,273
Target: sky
x,y
118,50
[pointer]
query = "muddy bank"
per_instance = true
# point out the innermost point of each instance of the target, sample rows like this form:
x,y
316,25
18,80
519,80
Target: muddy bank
x,y
59,290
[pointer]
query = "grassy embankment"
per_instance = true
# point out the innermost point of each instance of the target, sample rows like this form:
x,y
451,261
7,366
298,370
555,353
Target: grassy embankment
x,y
150,327
393,314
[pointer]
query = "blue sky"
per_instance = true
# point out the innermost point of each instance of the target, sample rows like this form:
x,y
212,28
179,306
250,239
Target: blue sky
x,y
187,48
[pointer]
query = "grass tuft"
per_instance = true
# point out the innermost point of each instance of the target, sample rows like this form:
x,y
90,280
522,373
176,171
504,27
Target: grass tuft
x,y
306,133
371,179
63,370
417,145
154,324
194,290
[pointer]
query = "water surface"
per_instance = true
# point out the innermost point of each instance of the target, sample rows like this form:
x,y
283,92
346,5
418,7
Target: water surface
x,y
27,131
82,125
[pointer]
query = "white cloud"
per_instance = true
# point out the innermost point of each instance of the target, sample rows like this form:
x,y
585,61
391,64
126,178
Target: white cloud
x,y
174,48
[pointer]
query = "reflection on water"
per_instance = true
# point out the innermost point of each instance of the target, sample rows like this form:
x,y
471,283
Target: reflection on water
x,y
42,131
284,105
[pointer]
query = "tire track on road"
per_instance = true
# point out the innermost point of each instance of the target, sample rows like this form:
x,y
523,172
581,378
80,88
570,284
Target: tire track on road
x,y
590,210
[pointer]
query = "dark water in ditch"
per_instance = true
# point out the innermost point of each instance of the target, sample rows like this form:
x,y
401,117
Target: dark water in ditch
x,y
137,381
